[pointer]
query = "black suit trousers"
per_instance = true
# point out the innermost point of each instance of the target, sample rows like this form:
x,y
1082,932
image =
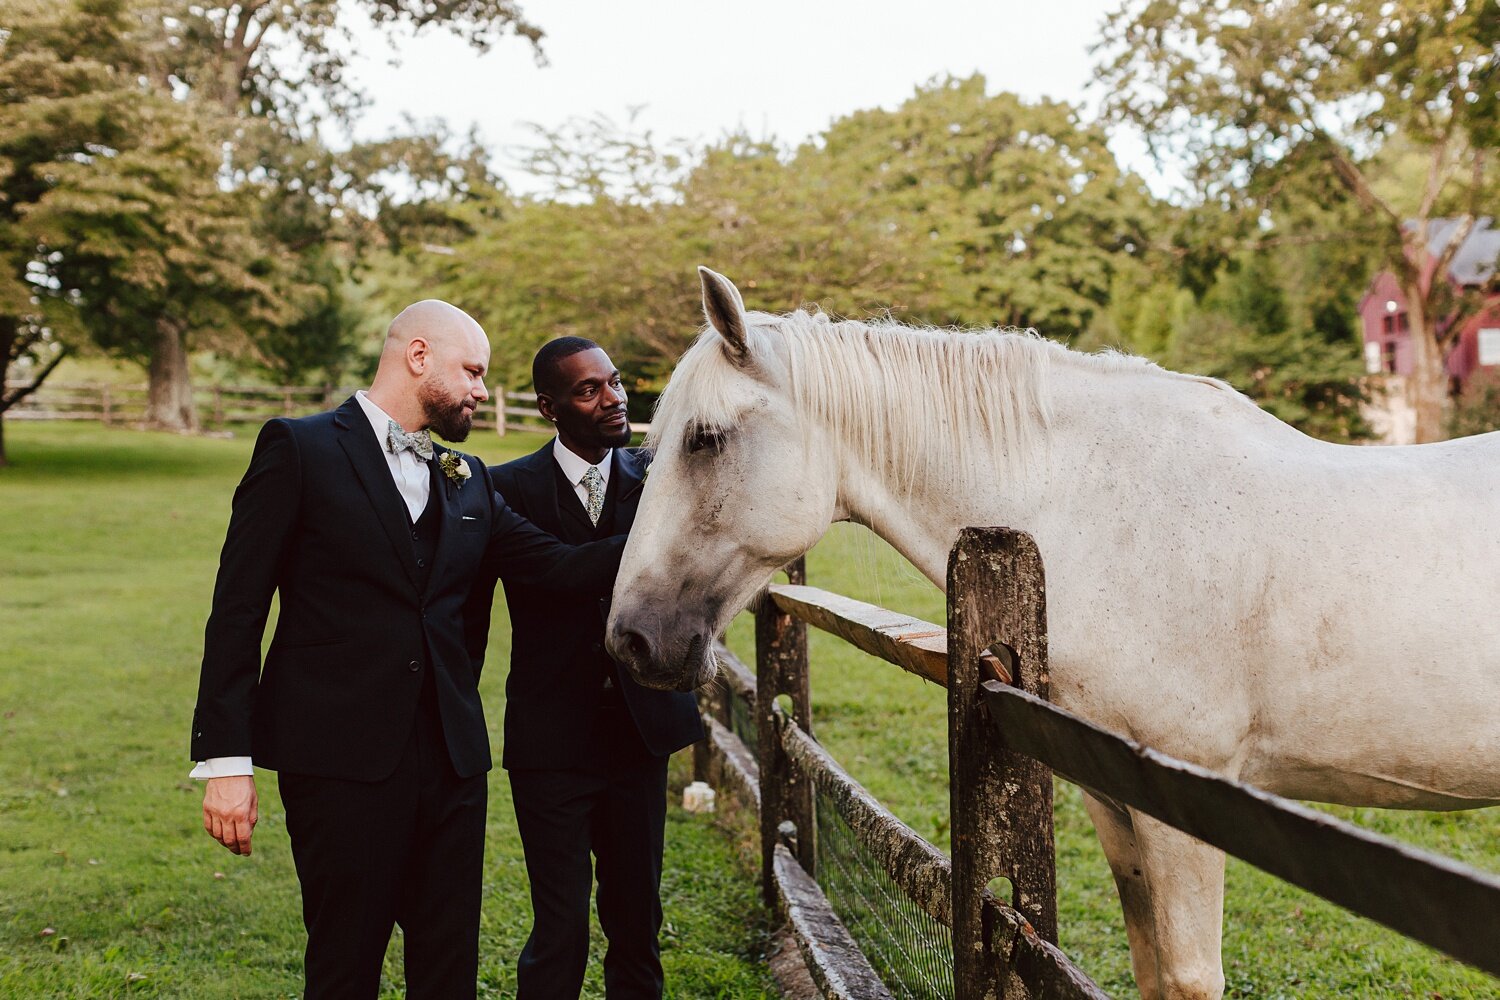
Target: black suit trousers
x,y
407,850
615,809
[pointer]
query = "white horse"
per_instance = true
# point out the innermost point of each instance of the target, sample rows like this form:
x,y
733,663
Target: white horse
x,y
1321,621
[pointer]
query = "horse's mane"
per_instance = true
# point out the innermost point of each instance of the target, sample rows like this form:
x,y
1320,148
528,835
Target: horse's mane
x,y
912,401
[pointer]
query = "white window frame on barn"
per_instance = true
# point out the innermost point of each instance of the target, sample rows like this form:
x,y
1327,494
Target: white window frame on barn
x,y
1489,345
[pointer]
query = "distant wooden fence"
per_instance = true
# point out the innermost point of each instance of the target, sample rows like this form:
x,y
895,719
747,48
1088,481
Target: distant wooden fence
x,y
221,405
1005,740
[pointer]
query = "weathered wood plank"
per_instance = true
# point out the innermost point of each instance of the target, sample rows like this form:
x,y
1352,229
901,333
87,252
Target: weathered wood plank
x,y
781,669
738,768
1036,969
1000,801
1447,905
840,969
740,678
916,646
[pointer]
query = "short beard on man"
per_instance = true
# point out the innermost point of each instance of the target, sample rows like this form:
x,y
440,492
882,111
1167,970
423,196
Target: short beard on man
x,y
451,419
617,439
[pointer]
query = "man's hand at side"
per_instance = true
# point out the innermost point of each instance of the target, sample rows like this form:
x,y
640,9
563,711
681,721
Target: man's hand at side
x,y
229,811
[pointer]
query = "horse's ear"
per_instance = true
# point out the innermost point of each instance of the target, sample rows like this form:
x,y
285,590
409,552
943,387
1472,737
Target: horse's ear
x,y
725,311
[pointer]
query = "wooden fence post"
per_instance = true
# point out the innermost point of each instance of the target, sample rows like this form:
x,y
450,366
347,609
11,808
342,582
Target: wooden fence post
x,y
106,405
781,668
1000,802
713,703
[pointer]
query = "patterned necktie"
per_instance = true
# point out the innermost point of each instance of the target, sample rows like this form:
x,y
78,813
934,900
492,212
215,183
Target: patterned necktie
x,y
420,442
594,483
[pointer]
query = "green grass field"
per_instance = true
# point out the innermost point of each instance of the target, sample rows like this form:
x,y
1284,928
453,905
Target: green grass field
x,y
108,545
108,885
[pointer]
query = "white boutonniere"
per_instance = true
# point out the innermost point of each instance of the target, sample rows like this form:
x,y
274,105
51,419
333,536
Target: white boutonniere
x,y
454,467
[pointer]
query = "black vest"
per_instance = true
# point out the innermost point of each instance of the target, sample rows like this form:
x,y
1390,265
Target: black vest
x,y
424,531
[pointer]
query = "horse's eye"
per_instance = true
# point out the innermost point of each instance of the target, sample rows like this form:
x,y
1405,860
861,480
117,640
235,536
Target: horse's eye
x,y
704,439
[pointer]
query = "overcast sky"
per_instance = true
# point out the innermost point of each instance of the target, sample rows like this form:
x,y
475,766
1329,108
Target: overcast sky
x,y
700,68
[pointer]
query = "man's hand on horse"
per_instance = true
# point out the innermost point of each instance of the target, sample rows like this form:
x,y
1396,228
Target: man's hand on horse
x,y
229,811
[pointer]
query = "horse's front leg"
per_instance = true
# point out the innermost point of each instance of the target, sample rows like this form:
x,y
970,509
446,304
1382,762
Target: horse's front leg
x,y
1117,837
1186,883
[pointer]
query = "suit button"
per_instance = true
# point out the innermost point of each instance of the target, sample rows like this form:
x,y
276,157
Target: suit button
x,y
414,536
598,648
414,666
420,564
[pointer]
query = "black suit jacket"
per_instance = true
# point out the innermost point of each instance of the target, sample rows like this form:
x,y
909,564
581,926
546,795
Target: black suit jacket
x,y
319,520
558,661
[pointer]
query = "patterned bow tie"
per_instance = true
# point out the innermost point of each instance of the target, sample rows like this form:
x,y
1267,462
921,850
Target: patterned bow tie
x,y
593,481
420,442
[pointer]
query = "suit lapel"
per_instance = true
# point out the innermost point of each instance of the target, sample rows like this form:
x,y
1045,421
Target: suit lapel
x,y
562,498
444,493
375,476
630,467
536,478
568,503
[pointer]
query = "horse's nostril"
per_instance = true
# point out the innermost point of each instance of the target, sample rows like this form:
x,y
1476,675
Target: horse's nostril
x,y
636,648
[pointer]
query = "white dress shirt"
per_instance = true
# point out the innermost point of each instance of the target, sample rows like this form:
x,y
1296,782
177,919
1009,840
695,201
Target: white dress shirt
x,y
573,468
413,481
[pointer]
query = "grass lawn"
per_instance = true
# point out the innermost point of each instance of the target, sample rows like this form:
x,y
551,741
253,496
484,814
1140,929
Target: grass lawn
x,y
108,545
889,729
109,541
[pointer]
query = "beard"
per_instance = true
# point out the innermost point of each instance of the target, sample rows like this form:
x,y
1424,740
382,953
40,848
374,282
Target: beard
x,y
451,419
617,439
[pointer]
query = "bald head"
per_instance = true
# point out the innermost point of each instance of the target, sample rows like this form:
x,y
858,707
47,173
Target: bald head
x,y
432,369
438,323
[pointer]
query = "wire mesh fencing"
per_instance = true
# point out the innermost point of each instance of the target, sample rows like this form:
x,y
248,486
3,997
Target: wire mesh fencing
x,y
910,951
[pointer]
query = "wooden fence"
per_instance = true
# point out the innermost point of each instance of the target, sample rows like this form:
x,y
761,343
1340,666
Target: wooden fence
x,y
221,405
998,893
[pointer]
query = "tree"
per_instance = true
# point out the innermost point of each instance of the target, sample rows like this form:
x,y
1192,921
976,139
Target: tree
x,y
266,78
959,207
1297,358
1014,213
115,225
1269,97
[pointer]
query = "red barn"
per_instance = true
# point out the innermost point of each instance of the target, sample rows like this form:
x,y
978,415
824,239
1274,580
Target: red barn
x,y
1383,308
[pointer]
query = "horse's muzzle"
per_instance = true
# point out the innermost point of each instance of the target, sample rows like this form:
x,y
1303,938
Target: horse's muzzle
x,y
678,663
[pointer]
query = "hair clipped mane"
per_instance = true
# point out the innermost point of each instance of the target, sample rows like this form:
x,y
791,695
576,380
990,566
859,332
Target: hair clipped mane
x,y
915,402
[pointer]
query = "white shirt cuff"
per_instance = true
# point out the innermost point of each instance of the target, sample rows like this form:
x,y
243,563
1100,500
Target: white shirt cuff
x,y
222,767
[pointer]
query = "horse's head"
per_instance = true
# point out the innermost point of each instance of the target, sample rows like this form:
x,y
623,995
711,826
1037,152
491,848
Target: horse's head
x,y
739,486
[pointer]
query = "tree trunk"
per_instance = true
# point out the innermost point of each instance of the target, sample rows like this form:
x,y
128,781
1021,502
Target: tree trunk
x,y
1427,388
7,341
170,402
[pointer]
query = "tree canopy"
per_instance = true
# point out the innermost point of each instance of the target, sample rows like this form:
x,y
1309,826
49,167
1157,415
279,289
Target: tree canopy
x,y
1270,100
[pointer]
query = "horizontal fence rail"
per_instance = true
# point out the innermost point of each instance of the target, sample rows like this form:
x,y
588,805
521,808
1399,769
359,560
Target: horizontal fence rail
x,y
221,405
1426,897
914,645
1005,738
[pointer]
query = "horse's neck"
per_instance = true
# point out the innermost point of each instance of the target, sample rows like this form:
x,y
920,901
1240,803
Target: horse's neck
x,y
1110,432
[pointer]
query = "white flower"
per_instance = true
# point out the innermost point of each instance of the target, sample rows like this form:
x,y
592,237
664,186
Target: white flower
x,y
455,468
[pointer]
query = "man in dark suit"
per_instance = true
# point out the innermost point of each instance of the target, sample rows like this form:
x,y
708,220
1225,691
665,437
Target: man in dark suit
x,y
586,747
368,702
